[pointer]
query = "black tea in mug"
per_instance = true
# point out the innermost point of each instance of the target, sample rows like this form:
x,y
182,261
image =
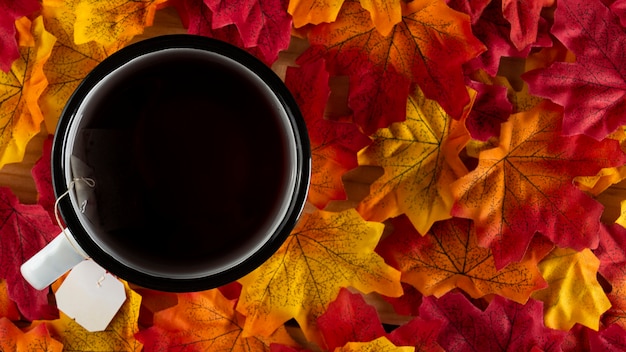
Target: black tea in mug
x,y
199,159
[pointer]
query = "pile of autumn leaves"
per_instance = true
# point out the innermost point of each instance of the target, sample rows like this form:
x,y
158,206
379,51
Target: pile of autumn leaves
x,y
492,125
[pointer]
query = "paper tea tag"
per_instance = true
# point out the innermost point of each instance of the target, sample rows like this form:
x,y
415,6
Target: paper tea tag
x,y
90,296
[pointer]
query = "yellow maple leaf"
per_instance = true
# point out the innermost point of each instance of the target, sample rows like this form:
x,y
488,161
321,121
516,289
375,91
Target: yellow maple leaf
x,y
325,252
381,344
69,63
573,294
420,159
37,338
205,321
118,336
384,13
20,88
111,21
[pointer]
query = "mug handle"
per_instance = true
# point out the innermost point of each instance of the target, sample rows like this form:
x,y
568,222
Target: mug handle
x,y
54,260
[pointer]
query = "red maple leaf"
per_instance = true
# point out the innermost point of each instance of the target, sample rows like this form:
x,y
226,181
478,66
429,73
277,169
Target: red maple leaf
x,y
619,8
407,304
473,8
24,230
611,253
10,11
418,332
495,32
349,319
490,109
427,47
592,90
612,338
334,145
503,326
263,24
525,18
263,30
612,258
42,176
377,95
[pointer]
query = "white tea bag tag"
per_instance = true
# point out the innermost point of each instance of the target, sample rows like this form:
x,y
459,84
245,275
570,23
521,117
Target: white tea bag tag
x,y
90,296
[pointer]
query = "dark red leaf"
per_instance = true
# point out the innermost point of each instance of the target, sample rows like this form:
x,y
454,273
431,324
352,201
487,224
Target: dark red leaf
x,y
592,90
503,326
199,19
231,291
272,37
619,8
612,258
42,175
611,253
24,230
377,95
576,339
420,333
408,304
10,11
334,145
263,24
349,319
491,108
613,338
473,8
524,17
493,30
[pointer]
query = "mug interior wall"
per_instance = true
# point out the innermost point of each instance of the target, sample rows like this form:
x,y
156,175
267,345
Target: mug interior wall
x,y
185,185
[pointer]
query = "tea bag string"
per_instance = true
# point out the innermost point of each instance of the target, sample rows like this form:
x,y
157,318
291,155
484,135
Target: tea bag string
x,y
89,182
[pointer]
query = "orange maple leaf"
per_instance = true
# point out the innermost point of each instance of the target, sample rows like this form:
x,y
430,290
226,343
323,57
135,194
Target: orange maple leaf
x,y
69,62
112,21
448,257
524,185
36,339
325,252
205,321
420,159
384,13
8,308
20,88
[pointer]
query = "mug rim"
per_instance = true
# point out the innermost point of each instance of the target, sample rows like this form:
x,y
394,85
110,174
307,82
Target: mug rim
x,y
69,117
